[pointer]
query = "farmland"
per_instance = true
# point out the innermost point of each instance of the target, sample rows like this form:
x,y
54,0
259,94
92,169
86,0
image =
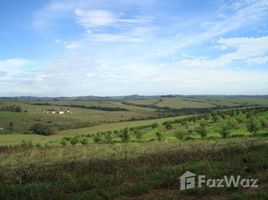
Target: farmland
x,y
131,148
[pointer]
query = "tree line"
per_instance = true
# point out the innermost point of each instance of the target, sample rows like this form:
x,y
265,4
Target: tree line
x,y
85,107
12,108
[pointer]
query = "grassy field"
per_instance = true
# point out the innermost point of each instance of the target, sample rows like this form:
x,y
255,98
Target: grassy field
x,y
132,171
201,101
107,158
16,138
78,118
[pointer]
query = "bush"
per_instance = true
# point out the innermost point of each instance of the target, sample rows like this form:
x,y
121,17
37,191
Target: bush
x,y
159,136
253,125
64,142
26,144
138,134
225,131
125,135
155,125
42,129
168,125
84,141
97,138
108,137
74,141
264,123
201,130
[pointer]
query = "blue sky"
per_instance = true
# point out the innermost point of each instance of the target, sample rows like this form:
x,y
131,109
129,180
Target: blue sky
x,y
123,47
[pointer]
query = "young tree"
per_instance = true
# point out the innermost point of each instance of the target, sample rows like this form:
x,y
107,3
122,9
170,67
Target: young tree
x,y
138,134
155,125
159,136
225,130
264,123
74,141
11,126
253,125
84,141
125,135
97,138
168,125
108,137
201,130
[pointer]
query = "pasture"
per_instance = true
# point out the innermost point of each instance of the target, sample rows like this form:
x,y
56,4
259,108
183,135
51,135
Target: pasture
x,y
126,149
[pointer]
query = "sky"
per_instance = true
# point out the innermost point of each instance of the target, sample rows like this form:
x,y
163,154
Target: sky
x,y
124,47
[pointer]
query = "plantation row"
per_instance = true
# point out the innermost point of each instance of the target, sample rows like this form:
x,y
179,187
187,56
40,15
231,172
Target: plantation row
x,y
232,123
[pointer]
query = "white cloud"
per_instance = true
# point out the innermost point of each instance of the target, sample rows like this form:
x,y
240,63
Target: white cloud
x,y
12,66
245,50
95,18
257,60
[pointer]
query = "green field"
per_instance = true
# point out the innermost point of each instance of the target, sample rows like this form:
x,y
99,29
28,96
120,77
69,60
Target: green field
x,y
201,101
99,151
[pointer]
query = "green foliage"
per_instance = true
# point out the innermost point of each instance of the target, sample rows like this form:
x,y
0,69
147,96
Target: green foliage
x,y
84,141
124,135
179,134
155,125
63,142
201,130
12,108
225,130
159,135
168,125
26,144
133,177
264,123
253,125
42,129
138,134
74,141
97,138
11,126
108,137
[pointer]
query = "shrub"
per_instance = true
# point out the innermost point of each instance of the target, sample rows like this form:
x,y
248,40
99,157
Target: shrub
x,y
63,142
124,135
155,125
27,144
201,130
138,134
264,123
159,136
38,145
225,131
168,125
253,125
42,129
74,141
84,141
97,138
179,134
108,137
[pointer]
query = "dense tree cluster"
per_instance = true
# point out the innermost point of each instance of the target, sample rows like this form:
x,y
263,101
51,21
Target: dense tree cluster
x,y
42,129
12,108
